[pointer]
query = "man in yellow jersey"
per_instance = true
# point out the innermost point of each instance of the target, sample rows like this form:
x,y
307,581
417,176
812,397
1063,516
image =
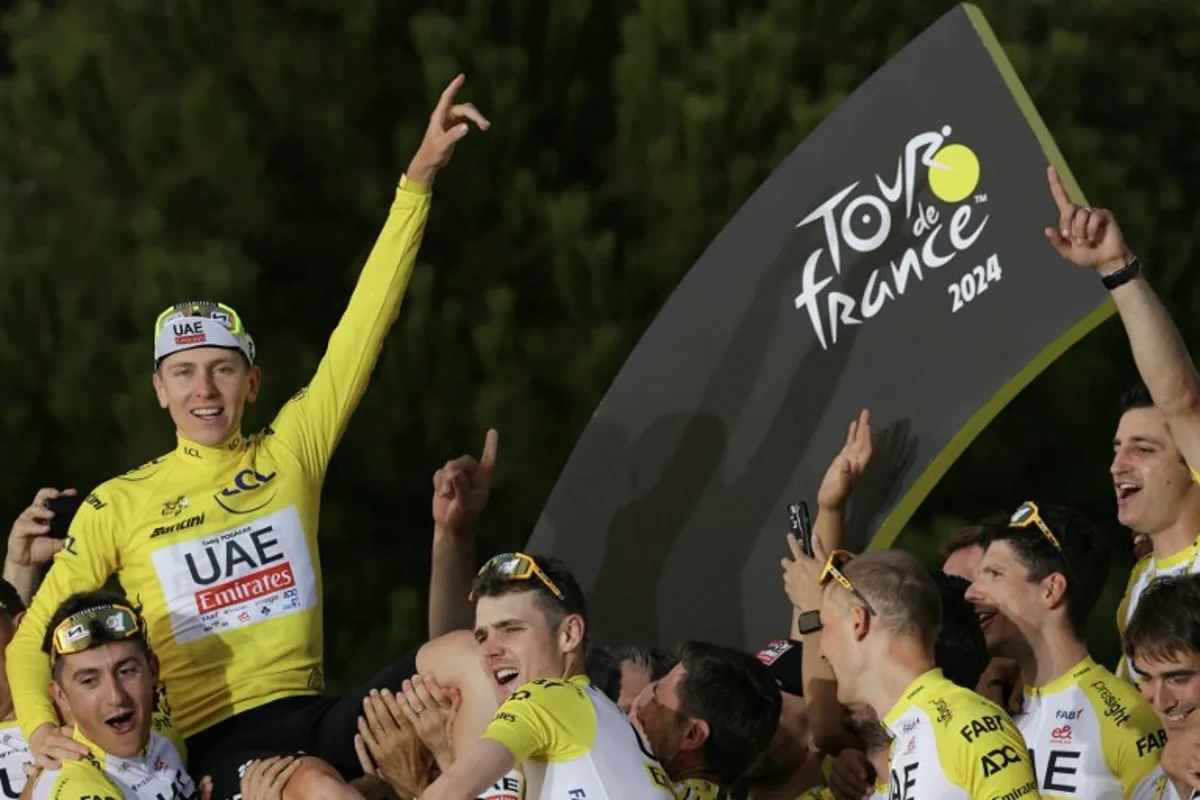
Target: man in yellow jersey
x,y
218,538
572,740
1159,432
104,672
879,617
1163,644
1088,731
709,718
14,750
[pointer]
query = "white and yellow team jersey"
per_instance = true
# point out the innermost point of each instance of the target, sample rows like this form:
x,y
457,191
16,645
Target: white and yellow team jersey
x,y
1090,734
14,755
1145,571
950,743
697,789
1157,786
575,742
156,774
510,787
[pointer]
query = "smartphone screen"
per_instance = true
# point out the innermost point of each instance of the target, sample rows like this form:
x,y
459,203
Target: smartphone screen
x,y
801,525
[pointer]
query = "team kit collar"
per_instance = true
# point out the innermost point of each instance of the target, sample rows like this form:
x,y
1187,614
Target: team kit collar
x,y
228,450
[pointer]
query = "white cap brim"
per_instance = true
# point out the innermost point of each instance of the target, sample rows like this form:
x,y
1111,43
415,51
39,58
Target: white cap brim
x,y
188,333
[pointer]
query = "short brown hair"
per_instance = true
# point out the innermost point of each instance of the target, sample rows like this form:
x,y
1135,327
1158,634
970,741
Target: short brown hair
x,y
904,596
961,539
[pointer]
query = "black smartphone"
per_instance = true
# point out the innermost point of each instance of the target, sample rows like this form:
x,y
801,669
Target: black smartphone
x,y
801,525
64,508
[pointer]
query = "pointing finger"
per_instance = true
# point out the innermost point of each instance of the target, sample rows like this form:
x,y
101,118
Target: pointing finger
x,y
1058,192
447,98
491,444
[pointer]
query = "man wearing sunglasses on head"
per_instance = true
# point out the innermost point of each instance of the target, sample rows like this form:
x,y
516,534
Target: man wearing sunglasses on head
x,y
572,740
1089,732
218,538
104,673
879,617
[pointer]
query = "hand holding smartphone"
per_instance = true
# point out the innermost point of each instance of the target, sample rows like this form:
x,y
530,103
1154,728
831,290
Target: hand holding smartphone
x,y
64,507
801,525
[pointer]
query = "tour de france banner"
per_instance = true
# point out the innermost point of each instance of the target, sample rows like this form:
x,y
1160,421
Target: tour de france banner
x,y
894,261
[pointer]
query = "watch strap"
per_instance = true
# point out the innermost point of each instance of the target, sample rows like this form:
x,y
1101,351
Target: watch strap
x,y
1124,275
810,622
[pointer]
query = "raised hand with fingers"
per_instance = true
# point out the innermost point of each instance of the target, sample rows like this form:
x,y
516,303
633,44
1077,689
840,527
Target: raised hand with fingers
x,y
28,542
802,574
848,465
449,123
1085,236
430,710
265,779
462,487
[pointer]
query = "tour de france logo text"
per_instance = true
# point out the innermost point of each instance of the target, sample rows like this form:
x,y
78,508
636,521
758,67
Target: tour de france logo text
x,y
858,220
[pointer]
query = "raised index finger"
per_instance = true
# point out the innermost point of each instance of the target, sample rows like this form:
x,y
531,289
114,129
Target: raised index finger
x,y
491,444
1058,192
447,98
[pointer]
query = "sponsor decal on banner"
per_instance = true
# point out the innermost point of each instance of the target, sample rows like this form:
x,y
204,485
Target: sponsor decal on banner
x,y
258,571
771,653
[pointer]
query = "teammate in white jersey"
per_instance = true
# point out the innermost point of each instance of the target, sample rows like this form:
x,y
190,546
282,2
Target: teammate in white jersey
x,y
572,740
1090,734
104,673
879,616
1159,433
710,717
1163,644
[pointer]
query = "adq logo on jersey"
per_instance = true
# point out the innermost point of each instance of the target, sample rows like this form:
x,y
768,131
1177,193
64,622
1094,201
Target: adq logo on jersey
x,y
249,491
938,229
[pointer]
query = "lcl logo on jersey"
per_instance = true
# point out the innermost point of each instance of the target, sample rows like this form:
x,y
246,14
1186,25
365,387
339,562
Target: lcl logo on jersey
x,y
249,491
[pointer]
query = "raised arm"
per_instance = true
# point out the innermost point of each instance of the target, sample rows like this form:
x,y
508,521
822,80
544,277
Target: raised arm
x,y
29,544
460,491
1090,238
313,421
91,554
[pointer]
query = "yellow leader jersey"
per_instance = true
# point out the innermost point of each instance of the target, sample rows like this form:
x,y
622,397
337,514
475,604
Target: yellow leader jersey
x,y
219,544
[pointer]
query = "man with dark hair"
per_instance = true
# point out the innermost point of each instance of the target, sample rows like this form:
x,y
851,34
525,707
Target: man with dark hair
x,y
531,625
879,618
639,667
1157,497
962,552
103,672
709,717
1087,730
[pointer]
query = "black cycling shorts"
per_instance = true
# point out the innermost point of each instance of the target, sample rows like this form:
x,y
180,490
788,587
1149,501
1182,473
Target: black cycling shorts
x,y
318,726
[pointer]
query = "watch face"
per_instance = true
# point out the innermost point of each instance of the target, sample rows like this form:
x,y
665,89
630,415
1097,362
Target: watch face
x,y
810,622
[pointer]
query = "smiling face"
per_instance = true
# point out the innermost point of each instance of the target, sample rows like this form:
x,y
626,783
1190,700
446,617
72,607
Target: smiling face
x,y
1004,599
520,643
206,389
1172,685
110,692
1150,479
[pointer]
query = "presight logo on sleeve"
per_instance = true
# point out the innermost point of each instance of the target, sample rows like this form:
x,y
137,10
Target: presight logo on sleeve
x,y
877,213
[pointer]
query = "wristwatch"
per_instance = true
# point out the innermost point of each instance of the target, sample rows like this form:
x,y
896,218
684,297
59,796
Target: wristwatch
x,y
810,622
1124,275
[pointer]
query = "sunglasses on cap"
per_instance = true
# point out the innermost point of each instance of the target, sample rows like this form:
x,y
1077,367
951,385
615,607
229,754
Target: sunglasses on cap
x,y
74,634
1027,515
203,309
833,571
517,567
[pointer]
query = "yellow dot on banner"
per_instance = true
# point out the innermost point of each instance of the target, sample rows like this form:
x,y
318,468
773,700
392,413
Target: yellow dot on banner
x,y
954,173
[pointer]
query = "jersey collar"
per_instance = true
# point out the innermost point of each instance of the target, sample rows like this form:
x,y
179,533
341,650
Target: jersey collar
x,y
914,690
97,751
193,452
1064,681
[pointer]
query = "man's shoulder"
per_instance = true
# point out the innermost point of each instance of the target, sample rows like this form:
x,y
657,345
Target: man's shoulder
x,y
1116,703
550,693
77,780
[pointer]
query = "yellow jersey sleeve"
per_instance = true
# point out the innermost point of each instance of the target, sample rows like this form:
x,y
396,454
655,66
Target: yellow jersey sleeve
x,y
1122,671
313,421
547,720
91,554
1131,734
985,754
